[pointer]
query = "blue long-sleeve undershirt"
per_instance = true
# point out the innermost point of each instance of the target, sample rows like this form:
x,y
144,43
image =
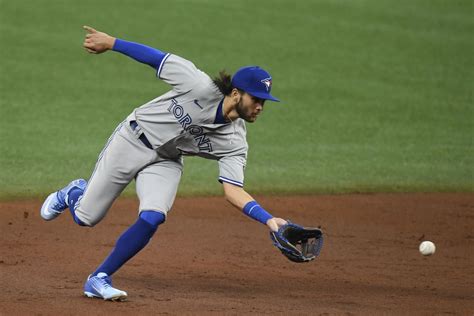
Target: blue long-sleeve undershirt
x,y
141,53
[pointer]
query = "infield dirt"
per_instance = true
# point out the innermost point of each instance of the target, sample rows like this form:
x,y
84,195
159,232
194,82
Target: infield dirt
x,y
209,259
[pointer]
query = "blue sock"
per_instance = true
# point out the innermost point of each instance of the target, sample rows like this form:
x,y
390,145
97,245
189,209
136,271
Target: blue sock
x,y
72,198
134,239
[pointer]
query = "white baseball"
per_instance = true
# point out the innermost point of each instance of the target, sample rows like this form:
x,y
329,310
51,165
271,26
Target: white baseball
x,y
427,248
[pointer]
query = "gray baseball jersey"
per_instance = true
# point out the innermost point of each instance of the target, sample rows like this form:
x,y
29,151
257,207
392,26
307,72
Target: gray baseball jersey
x,y
188,120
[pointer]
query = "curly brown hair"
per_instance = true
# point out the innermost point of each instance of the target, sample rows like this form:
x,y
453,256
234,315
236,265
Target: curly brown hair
x,y
224,82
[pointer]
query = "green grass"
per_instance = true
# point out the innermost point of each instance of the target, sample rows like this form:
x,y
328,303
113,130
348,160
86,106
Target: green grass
x,y
377,95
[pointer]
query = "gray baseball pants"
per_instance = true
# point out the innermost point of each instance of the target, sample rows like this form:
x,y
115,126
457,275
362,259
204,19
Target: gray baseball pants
x,y
124,158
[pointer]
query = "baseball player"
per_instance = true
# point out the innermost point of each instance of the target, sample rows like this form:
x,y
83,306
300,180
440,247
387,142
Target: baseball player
x,y
198,116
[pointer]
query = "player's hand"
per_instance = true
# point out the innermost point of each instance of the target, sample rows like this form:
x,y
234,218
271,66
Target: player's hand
x,y
97,42
275,223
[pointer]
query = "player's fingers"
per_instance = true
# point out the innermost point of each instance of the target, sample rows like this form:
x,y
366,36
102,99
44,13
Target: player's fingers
x,y
89,29
90,48
91,51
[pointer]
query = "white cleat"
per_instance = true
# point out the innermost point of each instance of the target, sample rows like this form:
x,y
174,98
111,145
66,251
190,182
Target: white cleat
x,y
100,286
56,202
51,207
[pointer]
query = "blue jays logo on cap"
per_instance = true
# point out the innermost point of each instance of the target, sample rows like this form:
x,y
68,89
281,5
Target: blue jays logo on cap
x,y
255,81
268,83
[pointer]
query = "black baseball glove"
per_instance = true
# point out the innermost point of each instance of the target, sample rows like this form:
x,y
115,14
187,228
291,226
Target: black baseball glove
x,y
297,243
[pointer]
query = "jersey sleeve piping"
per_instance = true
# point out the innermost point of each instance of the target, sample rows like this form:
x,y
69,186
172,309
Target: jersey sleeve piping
x,y
234,182
160,67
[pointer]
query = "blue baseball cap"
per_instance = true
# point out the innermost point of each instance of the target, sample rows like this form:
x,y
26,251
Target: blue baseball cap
x,y
255,81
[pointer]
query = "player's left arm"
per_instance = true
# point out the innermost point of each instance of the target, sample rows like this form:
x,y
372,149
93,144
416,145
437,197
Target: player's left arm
x,y
243,201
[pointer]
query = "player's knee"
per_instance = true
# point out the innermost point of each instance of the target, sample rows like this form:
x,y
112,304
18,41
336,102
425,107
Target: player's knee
x,y
84,218
81,221
154,218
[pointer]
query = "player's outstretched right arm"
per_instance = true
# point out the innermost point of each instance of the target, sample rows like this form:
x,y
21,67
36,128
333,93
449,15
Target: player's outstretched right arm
x,y
178,72
99,42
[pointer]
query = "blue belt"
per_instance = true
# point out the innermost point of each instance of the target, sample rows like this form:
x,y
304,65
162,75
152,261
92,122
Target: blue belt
x,y
134,125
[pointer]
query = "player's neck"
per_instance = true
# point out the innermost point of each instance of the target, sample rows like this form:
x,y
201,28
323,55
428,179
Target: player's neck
x,y
228,109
